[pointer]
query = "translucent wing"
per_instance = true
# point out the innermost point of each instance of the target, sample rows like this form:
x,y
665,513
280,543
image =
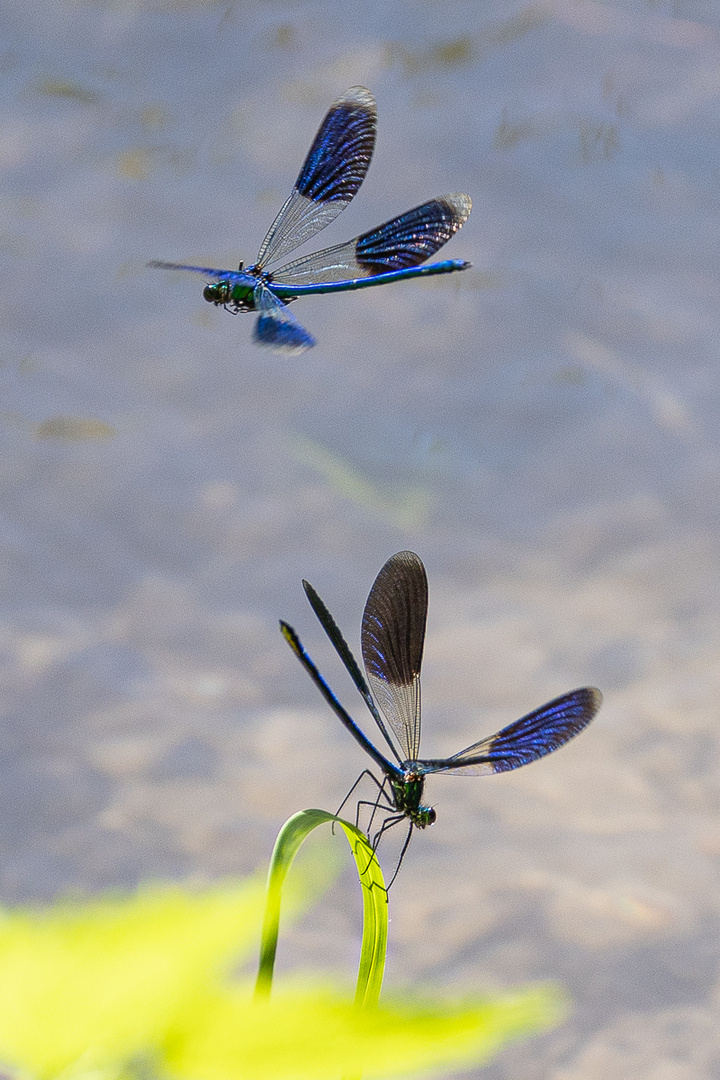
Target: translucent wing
x,y
276,327
330,177
532,737
393,635
403,242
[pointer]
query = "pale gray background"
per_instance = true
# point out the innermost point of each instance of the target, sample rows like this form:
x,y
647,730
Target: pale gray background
x,y
541,430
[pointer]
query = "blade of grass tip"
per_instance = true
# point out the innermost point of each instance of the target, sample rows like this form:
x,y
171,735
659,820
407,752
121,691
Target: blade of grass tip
x,y
374,940
375,918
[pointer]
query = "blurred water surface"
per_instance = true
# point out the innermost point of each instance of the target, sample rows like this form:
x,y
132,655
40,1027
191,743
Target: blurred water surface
x,y
542,430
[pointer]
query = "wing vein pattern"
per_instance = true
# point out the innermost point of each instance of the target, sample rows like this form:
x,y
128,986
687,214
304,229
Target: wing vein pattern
x,y
532,737
403,242
330,177
392,637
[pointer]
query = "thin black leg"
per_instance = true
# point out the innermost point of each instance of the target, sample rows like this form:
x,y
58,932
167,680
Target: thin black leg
x,y
378,805
387,824
402,853
375,807
365,772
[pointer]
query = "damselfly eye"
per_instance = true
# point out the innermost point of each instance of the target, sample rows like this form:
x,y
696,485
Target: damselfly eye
x,y
210,293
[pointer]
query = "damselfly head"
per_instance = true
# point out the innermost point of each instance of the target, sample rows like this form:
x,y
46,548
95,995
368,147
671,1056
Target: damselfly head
x,y
217,293
424,816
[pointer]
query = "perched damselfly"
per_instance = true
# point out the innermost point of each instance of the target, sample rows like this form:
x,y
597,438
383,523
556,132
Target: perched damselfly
x,y
392,639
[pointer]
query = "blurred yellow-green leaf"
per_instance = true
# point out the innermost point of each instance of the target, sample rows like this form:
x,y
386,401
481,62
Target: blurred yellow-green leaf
x,y
100,981
312,1035
116,985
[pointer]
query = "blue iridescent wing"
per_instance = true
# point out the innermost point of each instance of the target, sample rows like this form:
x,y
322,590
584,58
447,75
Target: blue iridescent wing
x,y
399,244
530,738
331,175
276,327
206,271
393,636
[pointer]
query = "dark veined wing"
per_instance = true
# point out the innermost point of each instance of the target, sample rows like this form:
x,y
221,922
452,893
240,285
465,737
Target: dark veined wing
x,y
530,738
206,271
299,649
342,648
276,327
331,175
403,242
393,635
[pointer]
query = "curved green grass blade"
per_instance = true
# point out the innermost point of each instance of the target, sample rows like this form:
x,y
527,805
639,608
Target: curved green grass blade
x,y
374,940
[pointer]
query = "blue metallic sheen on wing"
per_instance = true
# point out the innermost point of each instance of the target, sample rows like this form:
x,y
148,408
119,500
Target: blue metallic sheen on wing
x,y
330,177
281,336
413,237
532,737
206,271
276,325
339,157
400,244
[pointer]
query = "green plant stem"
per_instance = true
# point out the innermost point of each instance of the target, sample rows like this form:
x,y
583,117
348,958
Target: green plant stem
x,y
375,920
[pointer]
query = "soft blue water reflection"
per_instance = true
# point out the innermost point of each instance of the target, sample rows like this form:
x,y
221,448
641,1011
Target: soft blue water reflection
x,y
542,430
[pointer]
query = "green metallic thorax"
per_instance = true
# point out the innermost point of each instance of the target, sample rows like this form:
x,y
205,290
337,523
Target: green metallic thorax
x,y
407,795
234,294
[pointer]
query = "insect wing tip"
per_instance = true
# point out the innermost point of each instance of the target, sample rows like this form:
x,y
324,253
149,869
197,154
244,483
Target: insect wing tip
x,y
358,96
594,700
459,204
310,592
339,157
566,716
281,335
160,264
290,636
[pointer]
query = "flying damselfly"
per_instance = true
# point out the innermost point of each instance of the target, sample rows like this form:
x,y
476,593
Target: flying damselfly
x,y
331,175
